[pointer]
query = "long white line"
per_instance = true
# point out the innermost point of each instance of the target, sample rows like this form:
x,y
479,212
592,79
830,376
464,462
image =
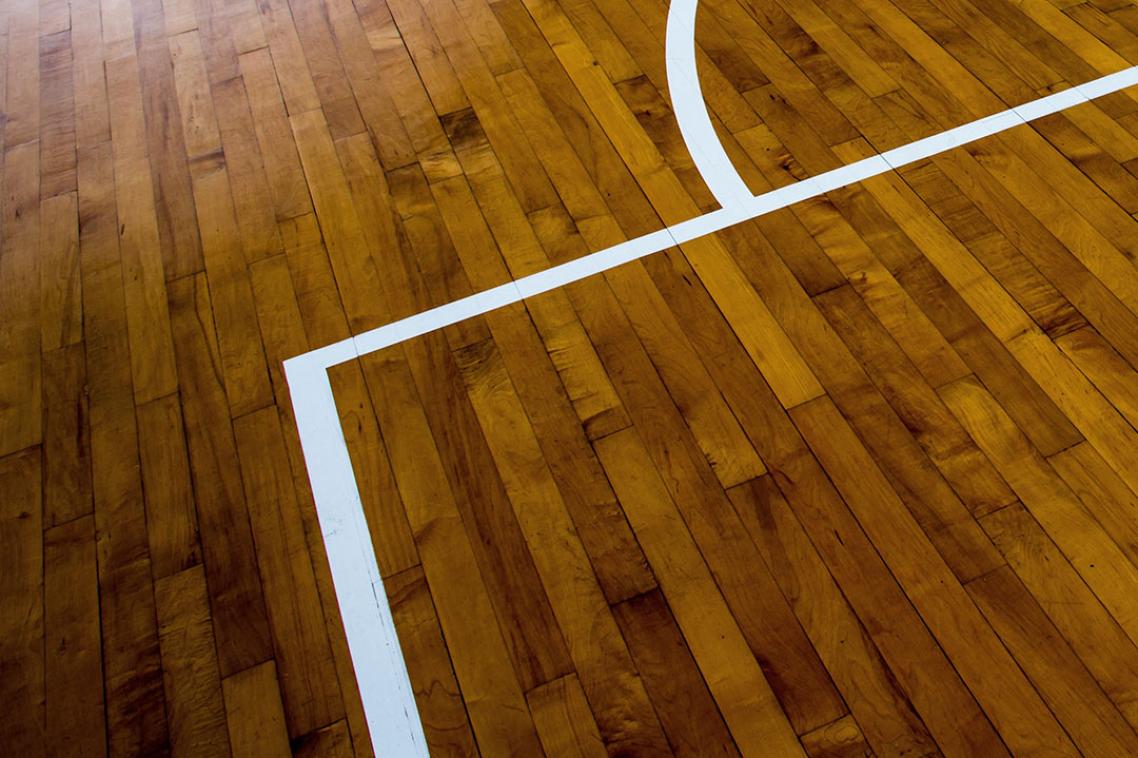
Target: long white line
x,y
385,688
748,208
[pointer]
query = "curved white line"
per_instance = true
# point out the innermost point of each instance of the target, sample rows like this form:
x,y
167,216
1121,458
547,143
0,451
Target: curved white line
x,y
690,109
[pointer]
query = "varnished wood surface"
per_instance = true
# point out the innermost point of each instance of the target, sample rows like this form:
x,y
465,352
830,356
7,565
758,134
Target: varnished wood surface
x,y
856,477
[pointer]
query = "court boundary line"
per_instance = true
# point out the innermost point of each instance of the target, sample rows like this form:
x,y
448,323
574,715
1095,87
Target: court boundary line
x,y
381,672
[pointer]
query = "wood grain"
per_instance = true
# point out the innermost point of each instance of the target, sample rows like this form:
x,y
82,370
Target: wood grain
x,y
855,477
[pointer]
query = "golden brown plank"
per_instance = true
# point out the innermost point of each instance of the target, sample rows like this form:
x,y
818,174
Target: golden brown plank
x,y
194,191
746,699
67,443
240,623
953,613
254,714
563,720
437,695
171,518
189,665
22,650
75,719
304,661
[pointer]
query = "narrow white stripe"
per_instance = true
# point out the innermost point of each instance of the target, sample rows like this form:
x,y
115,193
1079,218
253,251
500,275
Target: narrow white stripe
x,y
437,318
851,174
961,135
385,687
389,704
751,207
1045,106
1109,84
588,265
709,223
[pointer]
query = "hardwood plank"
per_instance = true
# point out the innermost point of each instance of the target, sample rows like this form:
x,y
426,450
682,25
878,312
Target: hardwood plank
x,y
309,686
1090,549
1109,371
616,558
878,702
482,658
1094,636
21,423
57,109
67,437
898,538
61,300
292,73
278,317
339,222
455,440
75,720
227,30
746,699
441,707
236,597
380,223
254,713
836,739
1093,722
697,493
1023,255
563,720
600,657
92,124
883,295
1102,493
54,17
391,533
333,741
369,86
171,518
189,665
241,353
256,220
716,431
274,136
934,505
22,650
152,350
678,690
1046,425
180,16
135,707
166,142
946,443
1115,439
320,304
328,76
21,100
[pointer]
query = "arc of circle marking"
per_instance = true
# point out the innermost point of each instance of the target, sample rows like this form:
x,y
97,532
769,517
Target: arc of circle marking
x,y
690,108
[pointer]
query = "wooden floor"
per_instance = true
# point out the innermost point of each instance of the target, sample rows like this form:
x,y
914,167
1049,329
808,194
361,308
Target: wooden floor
x,y
855,477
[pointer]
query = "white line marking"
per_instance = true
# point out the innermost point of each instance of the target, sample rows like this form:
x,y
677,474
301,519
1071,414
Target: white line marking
x,y
690,110
1045,106
385,688
1109,84
436,318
